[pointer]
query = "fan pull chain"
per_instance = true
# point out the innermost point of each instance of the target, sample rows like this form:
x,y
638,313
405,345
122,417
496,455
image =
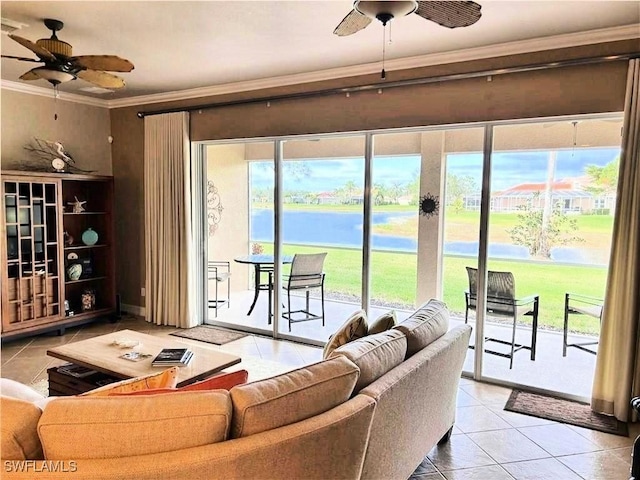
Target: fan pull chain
x,y
383,74
56,94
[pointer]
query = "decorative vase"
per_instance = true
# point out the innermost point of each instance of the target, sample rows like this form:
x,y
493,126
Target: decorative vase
x,y
89,237
74,271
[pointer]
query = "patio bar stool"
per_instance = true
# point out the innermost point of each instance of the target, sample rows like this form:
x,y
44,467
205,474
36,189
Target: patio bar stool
x,y
580,305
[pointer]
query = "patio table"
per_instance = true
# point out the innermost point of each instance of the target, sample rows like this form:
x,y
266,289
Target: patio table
x,y
262,263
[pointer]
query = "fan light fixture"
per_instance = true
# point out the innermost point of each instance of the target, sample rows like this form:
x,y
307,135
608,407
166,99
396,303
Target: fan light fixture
x,y
55,77
385,11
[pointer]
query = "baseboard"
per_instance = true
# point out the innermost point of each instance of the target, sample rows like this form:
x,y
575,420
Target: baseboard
x,y
134,309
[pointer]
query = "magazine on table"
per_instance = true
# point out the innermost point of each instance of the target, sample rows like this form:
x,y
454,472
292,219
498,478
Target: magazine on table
x,y
172,357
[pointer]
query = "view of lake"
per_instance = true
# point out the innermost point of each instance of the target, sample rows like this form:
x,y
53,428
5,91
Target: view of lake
x,y
337,229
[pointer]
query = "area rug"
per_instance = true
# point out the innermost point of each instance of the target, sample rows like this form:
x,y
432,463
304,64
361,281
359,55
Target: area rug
x,y
205,333
564,411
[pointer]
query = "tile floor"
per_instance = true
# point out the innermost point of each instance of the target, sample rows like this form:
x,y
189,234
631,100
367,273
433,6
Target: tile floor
x,y
487,442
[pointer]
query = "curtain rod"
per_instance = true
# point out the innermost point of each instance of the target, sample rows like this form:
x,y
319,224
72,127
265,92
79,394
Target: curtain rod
x,y
400,83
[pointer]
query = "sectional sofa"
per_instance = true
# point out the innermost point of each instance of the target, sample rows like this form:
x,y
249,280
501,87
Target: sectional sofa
x,y
372,410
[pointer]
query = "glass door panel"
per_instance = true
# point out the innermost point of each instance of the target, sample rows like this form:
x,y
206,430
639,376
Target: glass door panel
x,y
463,159
240,214
323,194
552,200
395,194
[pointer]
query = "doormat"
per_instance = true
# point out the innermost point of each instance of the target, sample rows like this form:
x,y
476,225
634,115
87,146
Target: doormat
x,y
205,333
564,411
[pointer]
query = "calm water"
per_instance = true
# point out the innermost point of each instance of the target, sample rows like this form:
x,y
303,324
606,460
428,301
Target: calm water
x,y
345,230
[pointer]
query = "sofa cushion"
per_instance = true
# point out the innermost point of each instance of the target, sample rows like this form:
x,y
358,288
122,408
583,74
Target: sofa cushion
x,y
428,323
164,379
354,327
383,323
225,381
374,355
291,397
18,426
111,427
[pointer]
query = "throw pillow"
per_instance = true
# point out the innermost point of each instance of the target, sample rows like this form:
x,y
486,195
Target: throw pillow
x,y
165,379
292,397
13,389
19,434
428,323
384,322
225,381
355,327
113,427
374,355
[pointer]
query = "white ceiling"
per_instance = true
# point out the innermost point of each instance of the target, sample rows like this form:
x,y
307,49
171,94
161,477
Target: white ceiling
x,y
180,45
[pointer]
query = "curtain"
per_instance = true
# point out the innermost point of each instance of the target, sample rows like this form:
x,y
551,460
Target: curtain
x,y
617,375
167,198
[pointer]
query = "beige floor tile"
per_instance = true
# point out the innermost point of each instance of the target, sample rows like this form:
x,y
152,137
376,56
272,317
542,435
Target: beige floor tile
x,y
544,469
466,400
492,472
597,466
517,419
466,381
459,452
604,440
508,446
425,468
623,453
487,393
478,419
429,476
8,352
24,370
559,439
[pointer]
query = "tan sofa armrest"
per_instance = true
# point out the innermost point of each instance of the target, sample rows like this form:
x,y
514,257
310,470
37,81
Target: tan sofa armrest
x,y
328,446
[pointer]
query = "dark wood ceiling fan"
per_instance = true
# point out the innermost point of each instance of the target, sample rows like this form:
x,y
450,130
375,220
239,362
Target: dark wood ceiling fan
x,y
452,14
61,66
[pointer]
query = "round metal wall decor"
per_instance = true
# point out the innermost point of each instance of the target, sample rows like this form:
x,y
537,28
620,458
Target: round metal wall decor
x,y
214,207
429,205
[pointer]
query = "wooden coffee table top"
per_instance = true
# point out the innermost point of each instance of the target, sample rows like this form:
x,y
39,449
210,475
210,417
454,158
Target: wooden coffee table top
x,y
100,354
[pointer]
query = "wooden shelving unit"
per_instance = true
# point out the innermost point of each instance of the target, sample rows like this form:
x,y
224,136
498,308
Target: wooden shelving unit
x,y
35,218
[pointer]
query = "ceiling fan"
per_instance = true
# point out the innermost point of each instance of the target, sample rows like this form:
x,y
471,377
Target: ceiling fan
x,y
61,66
450,14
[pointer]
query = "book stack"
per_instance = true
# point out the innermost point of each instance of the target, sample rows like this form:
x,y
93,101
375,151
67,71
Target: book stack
x,y
170,357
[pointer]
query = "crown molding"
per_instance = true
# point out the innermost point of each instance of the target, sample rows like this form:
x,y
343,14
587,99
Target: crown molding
x,y
603,35
48,92
512,48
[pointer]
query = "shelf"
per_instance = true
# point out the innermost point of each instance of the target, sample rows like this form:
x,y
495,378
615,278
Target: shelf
x,y
83,280
90,313
83,247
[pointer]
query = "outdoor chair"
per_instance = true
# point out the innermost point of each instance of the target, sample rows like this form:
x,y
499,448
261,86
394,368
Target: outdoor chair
x,y
580,305
502,302
306,274
218,273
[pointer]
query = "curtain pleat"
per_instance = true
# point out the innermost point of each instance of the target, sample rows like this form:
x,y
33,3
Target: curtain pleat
x,y
168,220
617,374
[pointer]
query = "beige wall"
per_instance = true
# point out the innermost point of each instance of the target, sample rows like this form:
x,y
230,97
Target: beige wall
x,y
82,129
229,171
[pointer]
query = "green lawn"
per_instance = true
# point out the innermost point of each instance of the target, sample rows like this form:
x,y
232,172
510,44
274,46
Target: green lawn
x,y
394,280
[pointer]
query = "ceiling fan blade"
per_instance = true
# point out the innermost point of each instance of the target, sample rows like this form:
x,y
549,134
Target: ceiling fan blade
x,y
111,63
30,75
102,79
24,59
42,53
352,23
450,14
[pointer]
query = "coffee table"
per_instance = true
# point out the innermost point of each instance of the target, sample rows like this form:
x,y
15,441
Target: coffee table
x,y
101,355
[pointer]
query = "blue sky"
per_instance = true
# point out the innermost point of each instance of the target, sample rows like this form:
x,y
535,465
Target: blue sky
x,y
509,168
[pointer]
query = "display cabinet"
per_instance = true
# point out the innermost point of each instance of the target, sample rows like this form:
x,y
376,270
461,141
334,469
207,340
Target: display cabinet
x,y
57,250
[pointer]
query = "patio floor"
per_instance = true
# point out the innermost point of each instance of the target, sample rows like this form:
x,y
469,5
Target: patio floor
x,y
550,371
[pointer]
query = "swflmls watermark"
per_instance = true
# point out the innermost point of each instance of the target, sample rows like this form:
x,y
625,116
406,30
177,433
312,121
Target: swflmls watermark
x,y
62,466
